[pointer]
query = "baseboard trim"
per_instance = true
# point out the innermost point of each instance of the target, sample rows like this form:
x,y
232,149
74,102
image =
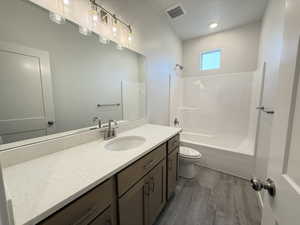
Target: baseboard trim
x,y
222,171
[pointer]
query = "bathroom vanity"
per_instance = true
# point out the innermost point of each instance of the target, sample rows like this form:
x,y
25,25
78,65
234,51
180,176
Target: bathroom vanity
x,y
90,184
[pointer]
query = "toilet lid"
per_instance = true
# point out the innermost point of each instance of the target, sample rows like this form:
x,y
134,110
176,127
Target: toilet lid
x,y
189,153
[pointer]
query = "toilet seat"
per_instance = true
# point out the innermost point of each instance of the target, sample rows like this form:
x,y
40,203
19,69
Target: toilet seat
x,y
189,153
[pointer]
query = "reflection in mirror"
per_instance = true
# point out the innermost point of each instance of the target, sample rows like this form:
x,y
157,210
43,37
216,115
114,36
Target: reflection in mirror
x,y
54,79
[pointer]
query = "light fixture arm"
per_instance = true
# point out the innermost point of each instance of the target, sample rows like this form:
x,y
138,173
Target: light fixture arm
x,y
96,5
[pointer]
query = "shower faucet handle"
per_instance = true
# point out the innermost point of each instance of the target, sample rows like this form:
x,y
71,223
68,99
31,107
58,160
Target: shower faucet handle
x,y
176,122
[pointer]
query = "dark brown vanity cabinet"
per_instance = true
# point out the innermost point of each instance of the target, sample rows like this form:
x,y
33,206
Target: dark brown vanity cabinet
x,y
172,165
142,189
142,204
105,218
157,191
132,206
97,207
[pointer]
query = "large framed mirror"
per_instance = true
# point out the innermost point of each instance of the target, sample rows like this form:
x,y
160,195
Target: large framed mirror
x,y
54,79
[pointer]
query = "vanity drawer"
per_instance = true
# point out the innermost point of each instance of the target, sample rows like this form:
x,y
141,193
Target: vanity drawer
x,y
132,174
173,143
85,209
104,219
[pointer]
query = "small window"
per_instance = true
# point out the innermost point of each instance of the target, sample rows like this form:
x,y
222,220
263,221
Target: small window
x,y
211,60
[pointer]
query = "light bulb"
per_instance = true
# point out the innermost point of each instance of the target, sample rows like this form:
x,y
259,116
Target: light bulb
x,y
114,29
56,18
66,2
213,25
119,47
129,38
103,40
93,18
84,31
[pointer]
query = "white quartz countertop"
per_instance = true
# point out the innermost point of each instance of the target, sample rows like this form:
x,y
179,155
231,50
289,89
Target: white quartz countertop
x,y
41,186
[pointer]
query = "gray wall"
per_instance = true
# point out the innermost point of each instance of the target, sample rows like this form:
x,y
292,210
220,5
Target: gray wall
x,y
84,71
158,42
239,48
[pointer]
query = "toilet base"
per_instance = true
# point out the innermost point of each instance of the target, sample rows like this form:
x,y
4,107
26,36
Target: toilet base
x,y
187,169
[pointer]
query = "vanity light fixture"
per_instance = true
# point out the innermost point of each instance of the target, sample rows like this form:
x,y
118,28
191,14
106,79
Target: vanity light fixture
x,y
114,25
56,18
103,40
84,31
62,7
119,47
121,32
93,16
213,25
66,2
130,34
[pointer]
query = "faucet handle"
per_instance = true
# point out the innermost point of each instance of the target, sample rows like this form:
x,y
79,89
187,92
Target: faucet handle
x,y
115,122
99,120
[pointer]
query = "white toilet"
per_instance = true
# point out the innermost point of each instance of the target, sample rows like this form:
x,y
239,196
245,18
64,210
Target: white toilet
x,y
187,158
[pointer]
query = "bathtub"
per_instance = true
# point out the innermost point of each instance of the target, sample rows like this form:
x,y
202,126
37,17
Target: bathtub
x,y
227,153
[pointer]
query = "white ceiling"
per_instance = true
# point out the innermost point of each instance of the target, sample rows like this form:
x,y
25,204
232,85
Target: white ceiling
x,y
200,13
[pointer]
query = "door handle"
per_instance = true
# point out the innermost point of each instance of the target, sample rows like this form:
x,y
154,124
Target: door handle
x,y
50,123
268,185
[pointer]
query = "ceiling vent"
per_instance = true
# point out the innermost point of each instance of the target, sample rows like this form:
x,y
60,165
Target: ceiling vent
x,y
175,12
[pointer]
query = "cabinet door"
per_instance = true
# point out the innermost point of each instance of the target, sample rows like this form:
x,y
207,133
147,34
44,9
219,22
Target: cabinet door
x,y
172,172
157,198
133,205
105,218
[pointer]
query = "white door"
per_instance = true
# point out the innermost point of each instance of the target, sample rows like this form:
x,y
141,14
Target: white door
x,y
284,163
26,104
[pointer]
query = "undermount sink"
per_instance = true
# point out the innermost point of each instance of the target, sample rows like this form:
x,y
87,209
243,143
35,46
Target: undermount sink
x,y
125,143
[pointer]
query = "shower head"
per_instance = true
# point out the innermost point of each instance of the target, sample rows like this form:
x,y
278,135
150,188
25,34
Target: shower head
x,y
178,66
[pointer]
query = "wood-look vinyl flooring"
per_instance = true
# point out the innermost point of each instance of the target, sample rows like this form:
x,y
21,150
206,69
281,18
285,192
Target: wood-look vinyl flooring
x,y
212,198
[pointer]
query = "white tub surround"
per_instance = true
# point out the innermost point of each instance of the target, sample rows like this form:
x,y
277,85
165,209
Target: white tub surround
x,y
41,186
215,112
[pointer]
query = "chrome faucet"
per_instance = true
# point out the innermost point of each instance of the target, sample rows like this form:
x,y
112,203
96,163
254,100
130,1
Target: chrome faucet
x,y
110,131
98,120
